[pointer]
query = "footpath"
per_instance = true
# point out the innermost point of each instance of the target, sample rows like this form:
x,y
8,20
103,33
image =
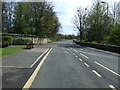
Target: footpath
x,y
17,68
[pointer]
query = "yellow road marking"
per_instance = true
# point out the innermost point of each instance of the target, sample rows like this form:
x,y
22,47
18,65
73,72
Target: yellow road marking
x,y
32,77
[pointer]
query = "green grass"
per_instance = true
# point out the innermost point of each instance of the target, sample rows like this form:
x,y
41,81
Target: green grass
x,y
10,50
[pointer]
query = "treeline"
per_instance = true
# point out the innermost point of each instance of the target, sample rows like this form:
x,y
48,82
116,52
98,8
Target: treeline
x,y
30,18
100,23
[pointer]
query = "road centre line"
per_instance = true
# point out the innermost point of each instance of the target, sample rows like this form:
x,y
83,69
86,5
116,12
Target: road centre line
x,y
107,68
96,73
86,64
89,53
73,54
80,59
34,74
84,55
76,56
75,50
111,86
38,58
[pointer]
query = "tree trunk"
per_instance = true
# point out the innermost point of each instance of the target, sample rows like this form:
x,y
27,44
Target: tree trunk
x,y
81,37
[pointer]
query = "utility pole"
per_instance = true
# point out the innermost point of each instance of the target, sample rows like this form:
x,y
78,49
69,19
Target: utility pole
x,y
107,31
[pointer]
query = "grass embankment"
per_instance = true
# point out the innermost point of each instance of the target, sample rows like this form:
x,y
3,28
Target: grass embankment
x,y
10,50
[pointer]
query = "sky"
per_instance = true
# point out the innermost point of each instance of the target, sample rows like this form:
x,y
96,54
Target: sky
x,y
65,10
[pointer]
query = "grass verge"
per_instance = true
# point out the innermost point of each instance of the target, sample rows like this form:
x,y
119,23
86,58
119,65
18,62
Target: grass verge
x,y
10,50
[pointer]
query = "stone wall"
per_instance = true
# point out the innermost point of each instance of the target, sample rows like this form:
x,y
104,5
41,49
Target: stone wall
x,y
40,40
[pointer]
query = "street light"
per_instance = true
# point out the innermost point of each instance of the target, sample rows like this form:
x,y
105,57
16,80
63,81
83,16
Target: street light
x,y
107,5
107,18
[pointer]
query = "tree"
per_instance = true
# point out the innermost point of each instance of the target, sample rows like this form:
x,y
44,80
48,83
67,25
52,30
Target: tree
x,y
21,19
78,21
98,23
31,18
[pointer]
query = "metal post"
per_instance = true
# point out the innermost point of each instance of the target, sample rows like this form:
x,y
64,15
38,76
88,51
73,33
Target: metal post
x,y
107,32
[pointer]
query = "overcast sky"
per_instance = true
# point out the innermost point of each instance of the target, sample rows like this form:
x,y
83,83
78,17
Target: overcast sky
x,y
66,9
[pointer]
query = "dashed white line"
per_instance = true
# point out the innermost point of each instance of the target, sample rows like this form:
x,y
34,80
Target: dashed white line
x,y
75,50
73,54
111,86
96,73
68,49
86,64
84,55
80,59
76,56
107,68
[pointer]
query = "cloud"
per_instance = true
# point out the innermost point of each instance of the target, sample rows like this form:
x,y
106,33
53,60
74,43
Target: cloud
x,y
66,10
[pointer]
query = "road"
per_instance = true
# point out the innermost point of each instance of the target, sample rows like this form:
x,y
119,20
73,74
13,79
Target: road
x,y
68,65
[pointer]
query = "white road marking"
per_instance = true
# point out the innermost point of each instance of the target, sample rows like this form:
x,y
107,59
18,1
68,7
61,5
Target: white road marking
x,y
111,86
68,49
38,59
34,74
86,64
96,73
107,68
75,50
76,56
89,53
80,59
84,55
13,67
73,54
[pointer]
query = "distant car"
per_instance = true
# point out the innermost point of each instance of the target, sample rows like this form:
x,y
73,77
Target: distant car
x,y
30,45
74,40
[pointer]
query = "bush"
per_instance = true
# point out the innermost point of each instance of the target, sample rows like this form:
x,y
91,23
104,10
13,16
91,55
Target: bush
x,y
6,41
114,37
21,41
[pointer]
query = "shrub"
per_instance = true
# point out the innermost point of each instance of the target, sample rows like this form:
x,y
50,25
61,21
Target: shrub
x,y
6,41
21,41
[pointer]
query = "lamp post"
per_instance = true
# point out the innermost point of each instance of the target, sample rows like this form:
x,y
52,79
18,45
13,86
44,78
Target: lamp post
x,y
106,19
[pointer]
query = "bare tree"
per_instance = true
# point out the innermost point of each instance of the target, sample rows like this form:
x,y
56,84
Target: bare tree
x,y
78,21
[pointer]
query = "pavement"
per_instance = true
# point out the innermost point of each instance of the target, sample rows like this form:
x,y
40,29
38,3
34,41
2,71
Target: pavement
x,y
67,65
17,68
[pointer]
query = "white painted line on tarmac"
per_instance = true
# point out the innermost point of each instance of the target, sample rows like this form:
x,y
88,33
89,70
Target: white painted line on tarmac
x,y
86,64
38,59
84,55
96,73
80,59
20,67
73,54
68,49
107,68
111,86
34,74
76,56
75,50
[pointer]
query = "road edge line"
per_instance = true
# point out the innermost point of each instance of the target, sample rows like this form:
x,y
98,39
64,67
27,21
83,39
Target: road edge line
x,y
38,58
34,74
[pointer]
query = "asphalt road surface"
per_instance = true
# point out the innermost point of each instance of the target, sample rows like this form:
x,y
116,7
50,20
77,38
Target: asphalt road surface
x,y
67,65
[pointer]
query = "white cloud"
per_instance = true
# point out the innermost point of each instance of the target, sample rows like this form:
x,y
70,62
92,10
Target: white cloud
x,y
66,9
